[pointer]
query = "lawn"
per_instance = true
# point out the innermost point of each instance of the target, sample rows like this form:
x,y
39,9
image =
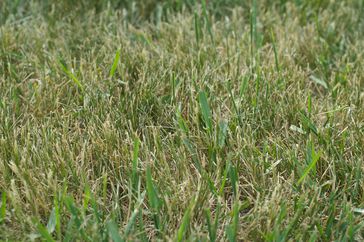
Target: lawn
x,y
181,120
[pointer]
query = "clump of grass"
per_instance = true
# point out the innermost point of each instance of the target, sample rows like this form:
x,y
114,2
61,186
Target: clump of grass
x,y
181,120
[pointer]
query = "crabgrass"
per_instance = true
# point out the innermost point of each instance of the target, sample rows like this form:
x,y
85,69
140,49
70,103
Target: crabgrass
x,y
181,120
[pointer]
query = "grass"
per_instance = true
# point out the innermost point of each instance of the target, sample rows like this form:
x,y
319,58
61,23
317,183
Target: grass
x,y
181,120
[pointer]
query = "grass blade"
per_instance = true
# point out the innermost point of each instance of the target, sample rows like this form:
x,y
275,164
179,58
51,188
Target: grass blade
x,y
58,218
253,33
308,123
153,198
115,63
233,175
319,81
113,230
71,75
135,177
3,207
52,221
185,222
44,232
314,158
133,217
193,153
197,29
275,52
205,110
223,125
207,20
75,212
232,229
212,227
182,123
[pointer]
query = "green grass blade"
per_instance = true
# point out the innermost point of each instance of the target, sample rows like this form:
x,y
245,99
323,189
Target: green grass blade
x,y
182,123
307,122
225,175
75,212
135,177
133,217
69,234
244,86
205,110
312,165
193,153
207,20
86,198
232,229
104,187
142,232
223,126
153,198
275,52
197,29
233,175
253,32
210,182
235,105
58,218
209,225
44,232
113,231
182,230
71,75
3,207
212,225
115,63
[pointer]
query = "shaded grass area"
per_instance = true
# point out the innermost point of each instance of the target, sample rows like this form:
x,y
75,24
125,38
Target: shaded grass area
x,y
181,120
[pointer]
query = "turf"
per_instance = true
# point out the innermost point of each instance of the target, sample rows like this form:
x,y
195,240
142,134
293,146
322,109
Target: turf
x,y
181,120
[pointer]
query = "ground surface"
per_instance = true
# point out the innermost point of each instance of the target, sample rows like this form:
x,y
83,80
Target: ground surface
x,y
180,120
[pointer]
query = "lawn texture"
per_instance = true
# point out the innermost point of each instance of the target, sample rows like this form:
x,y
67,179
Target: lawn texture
x,y
185,120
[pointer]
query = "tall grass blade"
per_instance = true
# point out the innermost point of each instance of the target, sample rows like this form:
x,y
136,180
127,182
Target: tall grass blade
x,y
197,29
115,63
75,212
182,123
193,153
232,229
135,177
205,110
235,105
307,122
113,231
71,75
52,222
207,20
44,232
86,198
253,33
58,218
212,225
319,81
314,158
133,217
3,207
182,230
226,171
223,126
142,232
233,175
275,52
153,198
